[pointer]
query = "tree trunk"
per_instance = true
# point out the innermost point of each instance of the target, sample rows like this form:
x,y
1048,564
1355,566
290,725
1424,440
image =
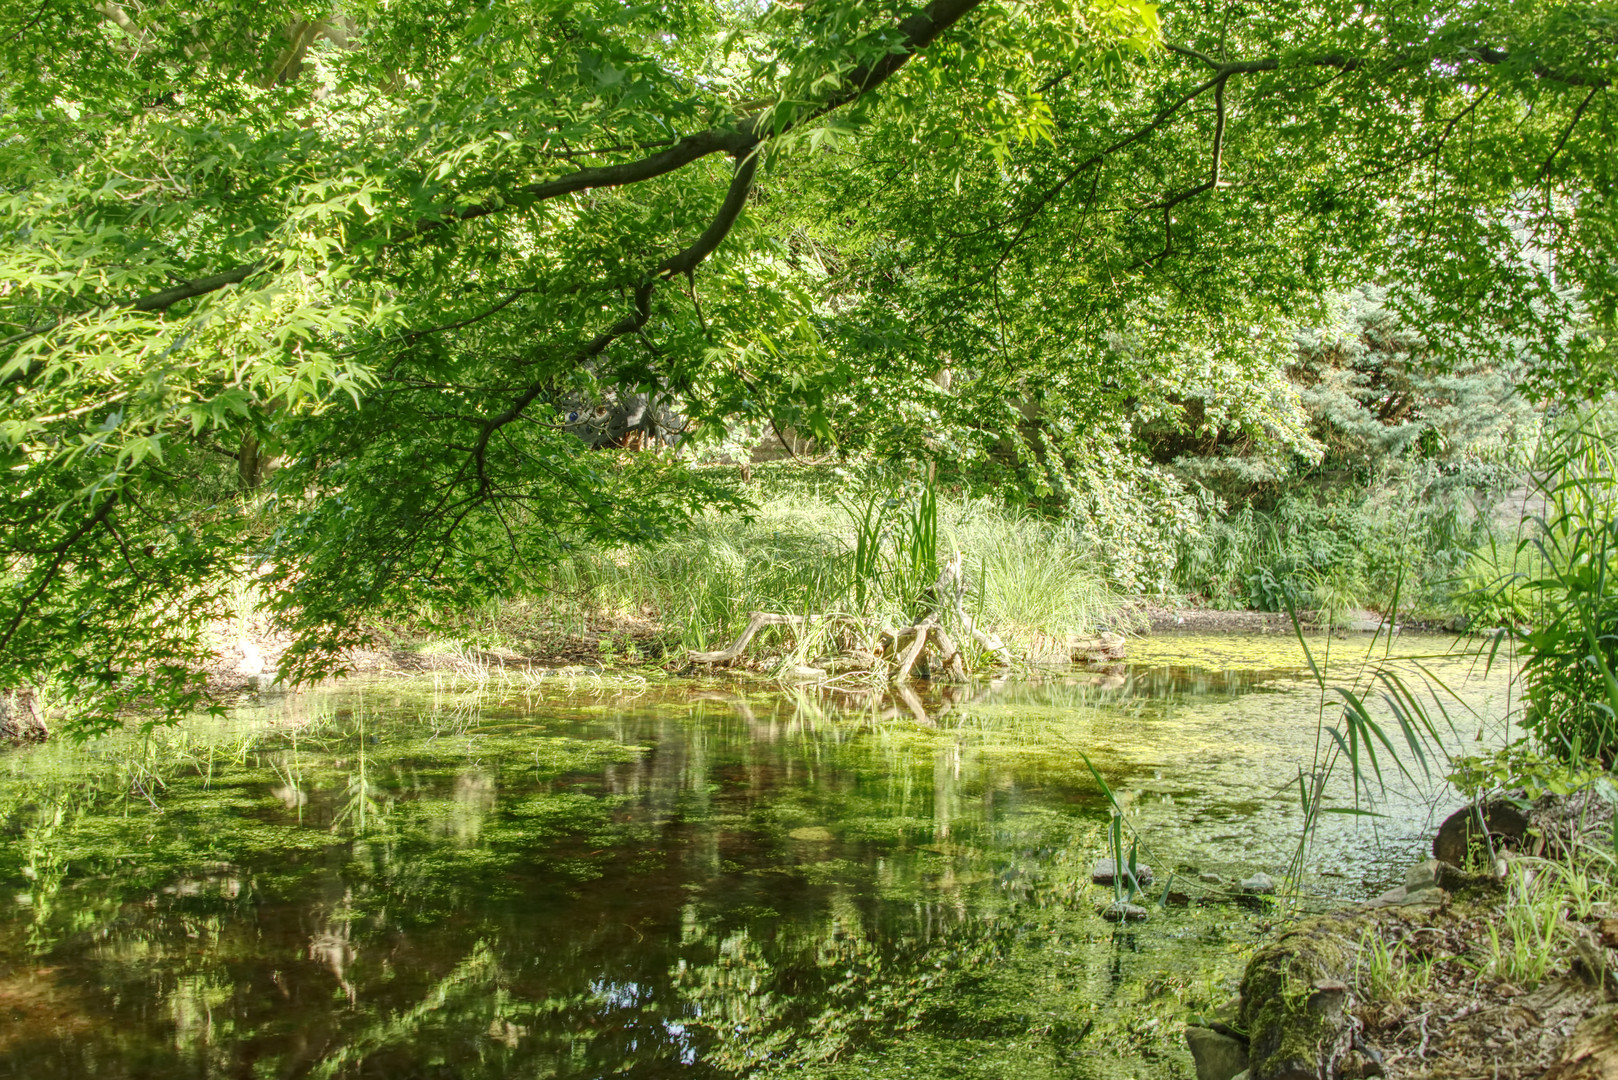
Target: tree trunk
x,y
1295,1004
250,464
20,717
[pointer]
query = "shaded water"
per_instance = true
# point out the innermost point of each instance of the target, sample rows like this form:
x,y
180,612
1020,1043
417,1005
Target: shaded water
x,y
381,880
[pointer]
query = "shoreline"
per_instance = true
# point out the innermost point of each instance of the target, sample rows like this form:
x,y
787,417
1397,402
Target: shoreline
x,y
1432,980
618,642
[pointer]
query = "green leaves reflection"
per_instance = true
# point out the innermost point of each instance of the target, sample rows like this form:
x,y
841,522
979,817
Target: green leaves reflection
x,y
582,889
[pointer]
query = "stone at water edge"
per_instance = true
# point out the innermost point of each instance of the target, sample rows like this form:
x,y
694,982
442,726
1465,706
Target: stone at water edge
x,y
1218,1056
252,661
1403,897
1118,911
1210,879
1105,872
1459,839
1433,874
1260,884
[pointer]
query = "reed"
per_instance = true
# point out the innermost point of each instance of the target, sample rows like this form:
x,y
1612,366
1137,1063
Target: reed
x,y
859,549
1565,609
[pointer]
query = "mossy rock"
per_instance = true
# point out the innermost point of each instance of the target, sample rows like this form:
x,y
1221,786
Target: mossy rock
x,y
1460,839
1295,998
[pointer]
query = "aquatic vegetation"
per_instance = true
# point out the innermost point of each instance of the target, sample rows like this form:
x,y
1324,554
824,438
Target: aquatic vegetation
x,y
497,880
850,546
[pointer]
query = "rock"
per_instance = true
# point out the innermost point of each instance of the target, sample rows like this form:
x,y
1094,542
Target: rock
x,y
1404,897
1394,897
1118,911
1104,873
1459,835
1295,1002
1433,874
1260,884
1218,1056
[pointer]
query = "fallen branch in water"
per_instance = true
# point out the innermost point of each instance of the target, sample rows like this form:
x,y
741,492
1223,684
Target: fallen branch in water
x,y
757,621
928,633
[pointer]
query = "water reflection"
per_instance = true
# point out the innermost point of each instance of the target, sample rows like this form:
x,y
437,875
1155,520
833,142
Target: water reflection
x,y
373,881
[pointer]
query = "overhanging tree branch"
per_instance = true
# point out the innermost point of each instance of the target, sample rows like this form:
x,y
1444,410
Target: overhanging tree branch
x,y
1578,114
914,32
59,556
682,262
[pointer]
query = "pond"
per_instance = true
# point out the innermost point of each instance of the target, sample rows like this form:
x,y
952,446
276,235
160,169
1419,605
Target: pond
x,y
457,879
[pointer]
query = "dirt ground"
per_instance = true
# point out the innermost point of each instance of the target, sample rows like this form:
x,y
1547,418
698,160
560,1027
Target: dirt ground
x,y
234,671
1459,1023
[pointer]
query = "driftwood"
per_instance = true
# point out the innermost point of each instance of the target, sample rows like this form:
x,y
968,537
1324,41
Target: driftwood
x,y
947,591
952,582
757,621
908,660
918,711
952,655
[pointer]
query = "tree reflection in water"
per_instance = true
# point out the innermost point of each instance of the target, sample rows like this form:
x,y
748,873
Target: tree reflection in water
x,y
733,885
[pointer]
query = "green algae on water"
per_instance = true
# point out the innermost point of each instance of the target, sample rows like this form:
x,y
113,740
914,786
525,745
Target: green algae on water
x,y
376,879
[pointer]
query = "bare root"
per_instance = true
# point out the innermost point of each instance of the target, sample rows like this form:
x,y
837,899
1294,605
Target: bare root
x,y
757,621
926,634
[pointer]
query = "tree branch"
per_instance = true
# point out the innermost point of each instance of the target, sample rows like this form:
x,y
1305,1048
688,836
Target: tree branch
x,y
684,261
1578,113
59,556
916,32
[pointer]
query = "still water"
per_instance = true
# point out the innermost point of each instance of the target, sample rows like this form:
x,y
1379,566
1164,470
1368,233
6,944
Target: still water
x,y
417,880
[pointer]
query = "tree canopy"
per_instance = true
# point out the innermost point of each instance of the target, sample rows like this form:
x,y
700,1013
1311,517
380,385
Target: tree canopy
x,y
394,246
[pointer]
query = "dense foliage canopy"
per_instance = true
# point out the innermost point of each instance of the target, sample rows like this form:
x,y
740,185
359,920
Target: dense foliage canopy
x,y
395,247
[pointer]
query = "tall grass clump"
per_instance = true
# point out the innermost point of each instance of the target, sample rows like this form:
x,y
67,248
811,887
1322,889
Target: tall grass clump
x,y
863,547
1032,576
1413,531
1561,598
790,556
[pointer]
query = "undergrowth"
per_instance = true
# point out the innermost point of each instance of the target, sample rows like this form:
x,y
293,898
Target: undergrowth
x,y
854,550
